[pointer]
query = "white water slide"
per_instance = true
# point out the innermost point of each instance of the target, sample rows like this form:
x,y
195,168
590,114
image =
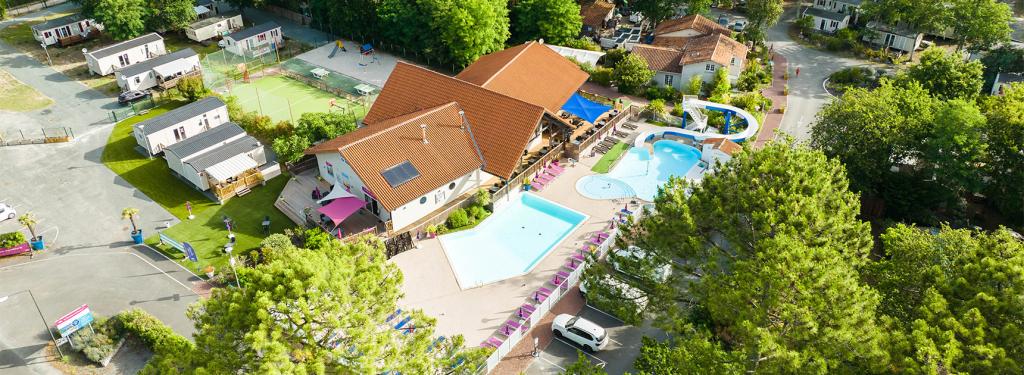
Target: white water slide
x,y
698,130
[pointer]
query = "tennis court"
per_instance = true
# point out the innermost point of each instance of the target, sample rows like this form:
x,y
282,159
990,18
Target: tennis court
x,y
286,99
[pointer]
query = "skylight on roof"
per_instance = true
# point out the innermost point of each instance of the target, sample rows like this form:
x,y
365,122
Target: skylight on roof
x,y
400,174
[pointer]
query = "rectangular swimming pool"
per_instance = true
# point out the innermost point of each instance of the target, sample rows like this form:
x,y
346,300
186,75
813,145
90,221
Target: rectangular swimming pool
x,y
510,242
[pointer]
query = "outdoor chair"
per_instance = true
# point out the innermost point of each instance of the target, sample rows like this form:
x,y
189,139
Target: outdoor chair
x,y
492,342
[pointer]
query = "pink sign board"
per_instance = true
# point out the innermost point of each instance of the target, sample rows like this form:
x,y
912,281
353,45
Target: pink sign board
x,y
19,249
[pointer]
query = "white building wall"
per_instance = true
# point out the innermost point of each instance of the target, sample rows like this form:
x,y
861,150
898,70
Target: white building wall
x,y
74,28
901,43
239,47
677,79
339,172
149,79
107,65
214,30
178,165
156,142
828,25
411,212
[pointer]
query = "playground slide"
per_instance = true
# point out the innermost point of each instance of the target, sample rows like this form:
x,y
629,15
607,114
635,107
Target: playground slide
x,y
750,131
331,56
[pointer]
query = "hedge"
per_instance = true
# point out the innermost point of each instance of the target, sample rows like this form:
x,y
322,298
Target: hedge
x,y
11,239
157,335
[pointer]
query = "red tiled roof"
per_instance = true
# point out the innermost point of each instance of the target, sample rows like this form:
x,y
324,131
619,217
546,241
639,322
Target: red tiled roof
x,y
501,125
727,146
594,13
450,153
715,47
659,58
699,23
530,72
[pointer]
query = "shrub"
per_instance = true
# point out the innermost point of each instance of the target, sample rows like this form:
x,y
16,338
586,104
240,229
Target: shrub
x,y
158,336
677,110
602,76
752,101
695,85
582,43
753,77
656,107
482,197
666,93
458,219
11,239
613,57
192,88
632,74
477,213
316,239
95,346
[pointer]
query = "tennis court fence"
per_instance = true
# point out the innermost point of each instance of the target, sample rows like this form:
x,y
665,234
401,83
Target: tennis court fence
x,y
334,82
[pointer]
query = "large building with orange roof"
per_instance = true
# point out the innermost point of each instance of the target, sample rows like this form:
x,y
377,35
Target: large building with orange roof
x,y
692,46
430,138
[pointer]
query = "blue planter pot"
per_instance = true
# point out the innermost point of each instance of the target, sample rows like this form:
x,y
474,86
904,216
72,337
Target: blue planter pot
x,y
37,243
137,237
526,187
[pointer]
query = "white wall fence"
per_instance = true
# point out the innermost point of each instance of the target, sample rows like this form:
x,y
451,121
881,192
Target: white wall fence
x,y
543,308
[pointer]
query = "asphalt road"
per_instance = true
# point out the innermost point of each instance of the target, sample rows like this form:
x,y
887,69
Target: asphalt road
x,y
78,202
617,358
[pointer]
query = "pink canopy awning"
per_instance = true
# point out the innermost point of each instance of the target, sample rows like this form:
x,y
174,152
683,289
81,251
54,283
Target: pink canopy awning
x,y
340,209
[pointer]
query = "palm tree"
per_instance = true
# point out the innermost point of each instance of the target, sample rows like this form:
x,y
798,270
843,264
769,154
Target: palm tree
x,y
29,221
129,213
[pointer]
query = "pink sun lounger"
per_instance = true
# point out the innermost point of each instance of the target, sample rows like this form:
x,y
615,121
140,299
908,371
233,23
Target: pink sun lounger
x,y
543,178
492,342
537,185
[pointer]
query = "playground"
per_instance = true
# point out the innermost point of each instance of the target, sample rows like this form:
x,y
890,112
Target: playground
x,y
286,99
359,61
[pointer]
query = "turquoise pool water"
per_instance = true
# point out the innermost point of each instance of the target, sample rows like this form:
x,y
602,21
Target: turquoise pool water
x,y
510,242
639,174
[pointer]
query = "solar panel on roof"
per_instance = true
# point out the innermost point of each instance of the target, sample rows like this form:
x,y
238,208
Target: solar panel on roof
x,y
400,174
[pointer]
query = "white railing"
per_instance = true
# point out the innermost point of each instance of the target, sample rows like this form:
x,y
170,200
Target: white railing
x,y
543,308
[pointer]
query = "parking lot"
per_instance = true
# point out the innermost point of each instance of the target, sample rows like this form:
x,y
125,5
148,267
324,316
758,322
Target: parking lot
x,y
617,358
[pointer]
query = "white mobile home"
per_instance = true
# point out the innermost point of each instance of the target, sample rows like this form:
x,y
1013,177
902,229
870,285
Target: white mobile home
x,y
193,147
156,134
229,162
163,71
105,60
255,41
66,30
827,21
902,37
213,27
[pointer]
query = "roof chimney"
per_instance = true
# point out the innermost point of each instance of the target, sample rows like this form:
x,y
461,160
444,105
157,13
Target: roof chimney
x,y
462,124
424,128
541,40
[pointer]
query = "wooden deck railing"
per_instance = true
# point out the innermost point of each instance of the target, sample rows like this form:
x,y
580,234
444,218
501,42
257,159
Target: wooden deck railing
x,y
617,120
225,191
517,181
174,81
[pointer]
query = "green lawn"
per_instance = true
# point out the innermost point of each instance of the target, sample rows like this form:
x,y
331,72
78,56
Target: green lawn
x,y
155,179
16,96
273,95
175,41
610,157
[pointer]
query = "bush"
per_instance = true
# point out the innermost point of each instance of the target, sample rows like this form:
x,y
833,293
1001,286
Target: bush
x,y
677,110
482,198
656,108
95,346
666,93
476,213
158,336
582,43
613,57
192,88
753,77
602,76
11,239
458,219
752,101
695,85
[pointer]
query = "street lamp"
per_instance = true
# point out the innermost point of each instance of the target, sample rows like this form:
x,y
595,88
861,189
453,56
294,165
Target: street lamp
x,y
40,311
231,261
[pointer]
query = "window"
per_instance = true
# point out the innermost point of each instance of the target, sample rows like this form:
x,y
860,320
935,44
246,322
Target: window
x,y
138,80
709,67
329,167
47,34
261,37
146,47
451,186
423,199
733,62
668,80
835,24
123,59
181,129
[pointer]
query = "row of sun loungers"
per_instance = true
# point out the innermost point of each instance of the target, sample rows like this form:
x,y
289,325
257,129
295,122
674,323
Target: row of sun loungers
x,y
520,320
546,175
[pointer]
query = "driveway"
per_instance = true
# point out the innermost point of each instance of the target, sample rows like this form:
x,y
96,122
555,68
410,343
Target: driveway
x,y
617,358
78,202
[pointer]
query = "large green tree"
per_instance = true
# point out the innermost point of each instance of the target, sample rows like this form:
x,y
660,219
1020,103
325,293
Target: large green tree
x,y
1005,164
762,14
320,310
556,21
769,268
354,19
979,24
925,15
632,74
947,75
873,132
656,10
446,31
955,150
1005,58
170,15
955,295
121,19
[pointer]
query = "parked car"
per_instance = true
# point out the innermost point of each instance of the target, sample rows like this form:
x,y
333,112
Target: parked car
x,y
222,43
7,212
738,25
661,273
131,96
583,332
723,20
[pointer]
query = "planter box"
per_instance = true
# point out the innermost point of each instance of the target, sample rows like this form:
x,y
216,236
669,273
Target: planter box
x,y
19,249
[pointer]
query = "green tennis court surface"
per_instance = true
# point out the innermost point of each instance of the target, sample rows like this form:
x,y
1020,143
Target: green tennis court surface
x,y
285,99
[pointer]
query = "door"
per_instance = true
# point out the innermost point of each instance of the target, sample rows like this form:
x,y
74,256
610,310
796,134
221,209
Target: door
x,y
822,27
373,204
581,336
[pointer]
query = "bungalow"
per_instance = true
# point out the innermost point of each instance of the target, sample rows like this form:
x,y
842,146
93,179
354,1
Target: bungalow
x,y
429,137
231,168
902,37
163,71
215,26
827,21
675,63
721,150
596,16
66,30
157,133
1004,80
186,150
105,60
255,41
688,27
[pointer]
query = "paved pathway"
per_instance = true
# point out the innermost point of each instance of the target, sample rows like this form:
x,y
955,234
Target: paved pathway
x,y
290,28
779,99
78,201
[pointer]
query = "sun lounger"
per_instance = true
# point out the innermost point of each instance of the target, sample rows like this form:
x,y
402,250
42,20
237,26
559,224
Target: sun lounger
x,y
573,263
597,240
555,167
492,342
525,311
537,185
629,126
542,177
393,315
602,147
509,327
620,134
434,344
403,322
553,170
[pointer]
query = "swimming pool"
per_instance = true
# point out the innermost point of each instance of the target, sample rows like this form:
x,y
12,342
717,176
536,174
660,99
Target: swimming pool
x,y
639,174
510,242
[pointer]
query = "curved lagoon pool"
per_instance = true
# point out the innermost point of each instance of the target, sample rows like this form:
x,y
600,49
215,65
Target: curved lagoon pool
x,y
510,242
639,174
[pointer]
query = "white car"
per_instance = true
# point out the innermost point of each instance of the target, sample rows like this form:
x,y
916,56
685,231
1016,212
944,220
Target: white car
x,y
661,273
7,212
583,332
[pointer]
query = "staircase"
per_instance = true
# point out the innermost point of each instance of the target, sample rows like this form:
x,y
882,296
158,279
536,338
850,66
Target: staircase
x,y
242,191
700,119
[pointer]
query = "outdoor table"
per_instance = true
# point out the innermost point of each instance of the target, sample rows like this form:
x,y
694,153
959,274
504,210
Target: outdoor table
x,y
319,73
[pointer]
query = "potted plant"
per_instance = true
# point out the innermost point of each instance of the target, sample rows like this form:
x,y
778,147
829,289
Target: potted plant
x,y
209,270
29,221
431,231
130,213
526,184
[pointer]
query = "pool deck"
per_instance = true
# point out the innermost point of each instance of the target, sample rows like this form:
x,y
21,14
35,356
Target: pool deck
x,y
477,313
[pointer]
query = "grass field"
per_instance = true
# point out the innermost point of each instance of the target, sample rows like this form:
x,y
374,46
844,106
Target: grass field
x,y
19,97
273,95
206,232
605,163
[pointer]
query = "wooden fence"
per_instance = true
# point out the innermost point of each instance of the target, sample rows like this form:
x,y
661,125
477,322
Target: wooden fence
x,y
630,112
517,181
225,191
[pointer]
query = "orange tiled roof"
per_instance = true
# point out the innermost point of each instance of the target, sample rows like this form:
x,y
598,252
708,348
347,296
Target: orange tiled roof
x,y
696,22
530,72
727,146
659,58
502,125
594,13
715,47
449,153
